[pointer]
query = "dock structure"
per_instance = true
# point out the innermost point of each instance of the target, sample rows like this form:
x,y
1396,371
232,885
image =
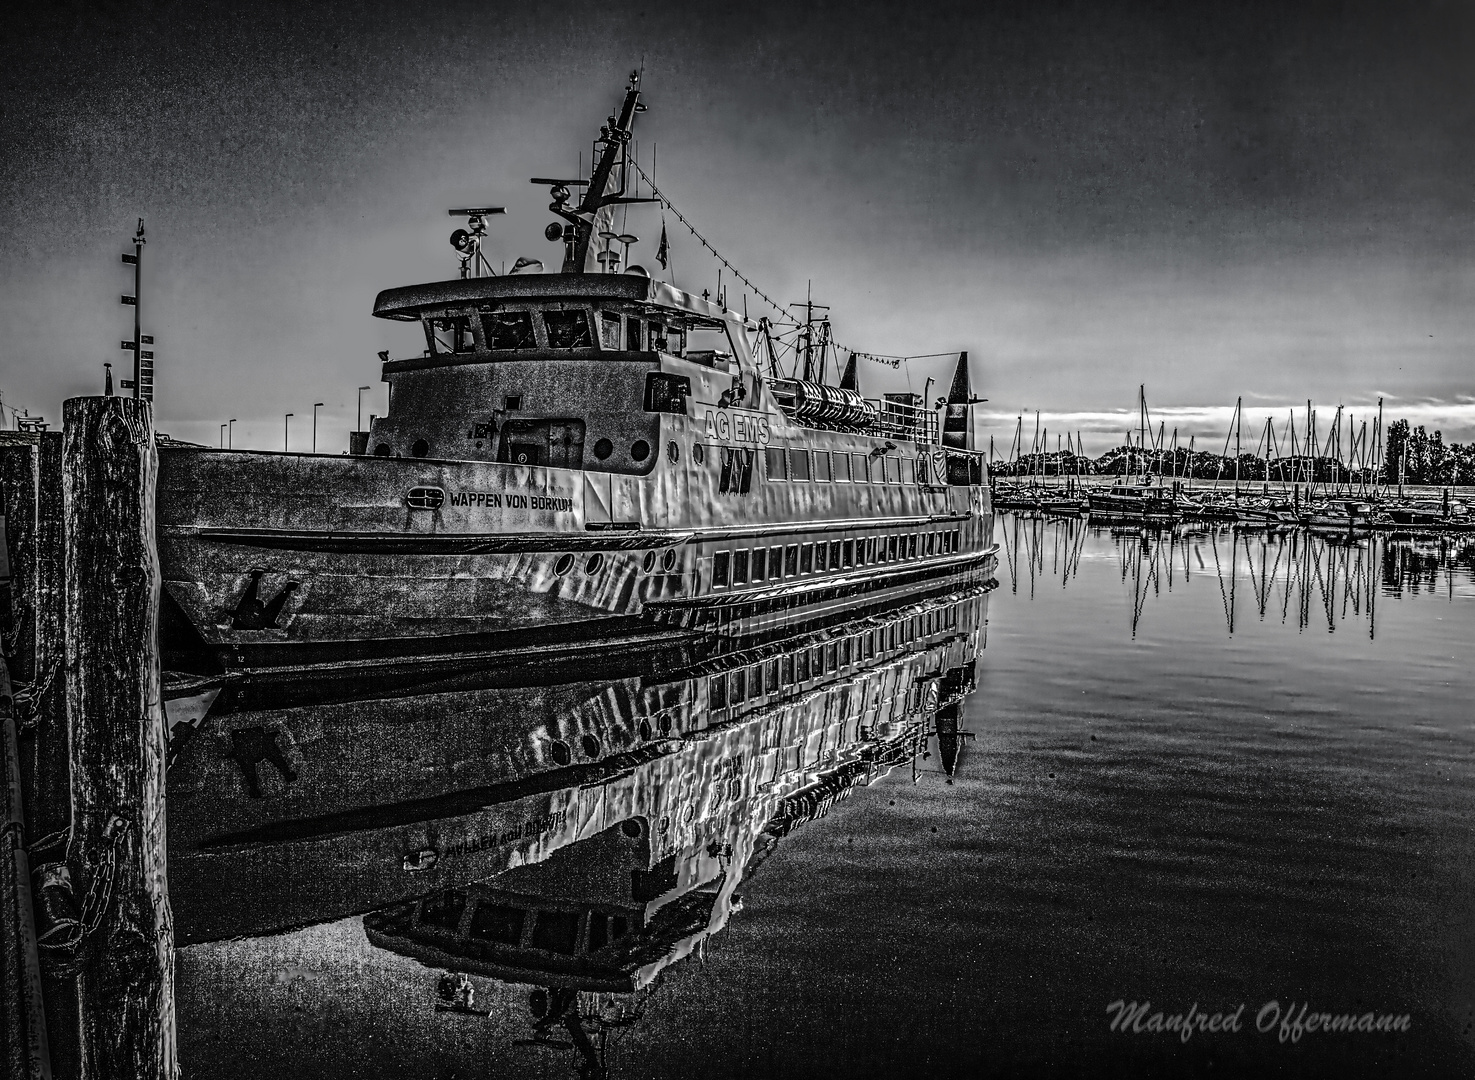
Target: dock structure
x,y
85,753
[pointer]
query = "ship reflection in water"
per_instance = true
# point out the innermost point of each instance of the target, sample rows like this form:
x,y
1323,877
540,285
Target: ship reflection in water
x,y
615,876
1293,577
655,870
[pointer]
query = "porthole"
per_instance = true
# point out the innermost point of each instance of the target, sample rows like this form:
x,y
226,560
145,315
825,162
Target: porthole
x,y
639,450
559,751
603,449
668,560
649,562
673,452
420,449
664,723
563,565
590,745
382,450
646,734
595,563
665,825
631,828
698,453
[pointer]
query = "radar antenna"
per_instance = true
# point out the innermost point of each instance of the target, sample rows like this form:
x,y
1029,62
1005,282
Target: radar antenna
x,y
467,241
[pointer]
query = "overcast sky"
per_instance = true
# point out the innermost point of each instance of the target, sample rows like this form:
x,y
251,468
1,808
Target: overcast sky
x,y
1268,201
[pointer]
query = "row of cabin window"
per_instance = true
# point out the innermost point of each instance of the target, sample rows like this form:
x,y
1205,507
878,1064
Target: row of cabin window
x,y
796,560
569,329
800,464
796,668
504,924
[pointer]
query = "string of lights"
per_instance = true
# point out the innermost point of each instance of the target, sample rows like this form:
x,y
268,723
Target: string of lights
x,y
879,358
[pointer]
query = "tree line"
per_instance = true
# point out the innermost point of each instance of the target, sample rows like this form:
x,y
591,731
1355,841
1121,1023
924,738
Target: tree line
x,y
1411,456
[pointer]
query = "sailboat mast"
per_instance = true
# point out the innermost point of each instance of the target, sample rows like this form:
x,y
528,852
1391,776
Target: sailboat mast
x,y
1238,417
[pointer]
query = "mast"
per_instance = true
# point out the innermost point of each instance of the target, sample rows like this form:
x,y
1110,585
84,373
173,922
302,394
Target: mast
x,y
142,383
1142,422
1238,418
810,307
614,140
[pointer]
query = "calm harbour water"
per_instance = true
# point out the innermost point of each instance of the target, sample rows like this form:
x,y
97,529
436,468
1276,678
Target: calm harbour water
x,y
1212,769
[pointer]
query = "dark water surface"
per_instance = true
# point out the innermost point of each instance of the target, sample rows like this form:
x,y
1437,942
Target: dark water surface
x,y
1210,770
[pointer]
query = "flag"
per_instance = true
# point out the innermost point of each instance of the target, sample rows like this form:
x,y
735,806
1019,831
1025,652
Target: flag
x,y
663,253
524,265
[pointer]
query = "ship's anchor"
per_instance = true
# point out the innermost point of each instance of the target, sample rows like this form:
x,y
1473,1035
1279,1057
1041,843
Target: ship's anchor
x,y
252,614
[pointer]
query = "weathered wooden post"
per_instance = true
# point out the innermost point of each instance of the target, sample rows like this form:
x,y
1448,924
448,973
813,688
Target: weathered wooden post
x,y
22,1016
125,985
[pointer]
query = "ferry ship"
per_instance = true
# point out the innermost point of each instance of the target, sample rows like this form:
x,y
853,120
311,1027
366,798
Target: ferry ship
x,y
588,454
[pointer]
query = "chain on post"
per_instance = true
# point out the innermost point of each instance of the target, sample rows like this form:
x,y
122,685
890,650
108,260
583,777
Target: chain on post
x,y
66,933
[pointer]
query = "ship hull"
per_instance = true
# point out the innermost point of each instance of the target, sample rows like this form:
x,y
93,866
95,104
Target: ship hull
x,y
275,562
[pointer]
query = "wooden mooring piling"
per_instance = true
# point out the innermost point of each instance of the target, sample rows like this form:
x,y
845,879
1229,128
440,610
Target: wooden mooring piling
x,y
85,738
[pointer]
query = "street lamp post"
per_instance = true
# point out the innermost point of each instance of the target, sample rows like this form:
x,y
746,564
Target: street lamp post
x,y
230,433
361,409
222,436
316,405
284,430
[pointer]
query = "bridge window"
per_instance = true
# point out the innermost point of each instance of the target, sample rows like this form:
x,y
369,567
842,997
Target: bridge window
x,y
740,568
610,327
821,554
798,463
771,677
508,330
444,909
556,931
791,560
860,468
822,472
568,329
775,459
842,467
720,562
834,554
717,692
806,559
632,334
499,923
449,335
847,557
666,393
739,686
